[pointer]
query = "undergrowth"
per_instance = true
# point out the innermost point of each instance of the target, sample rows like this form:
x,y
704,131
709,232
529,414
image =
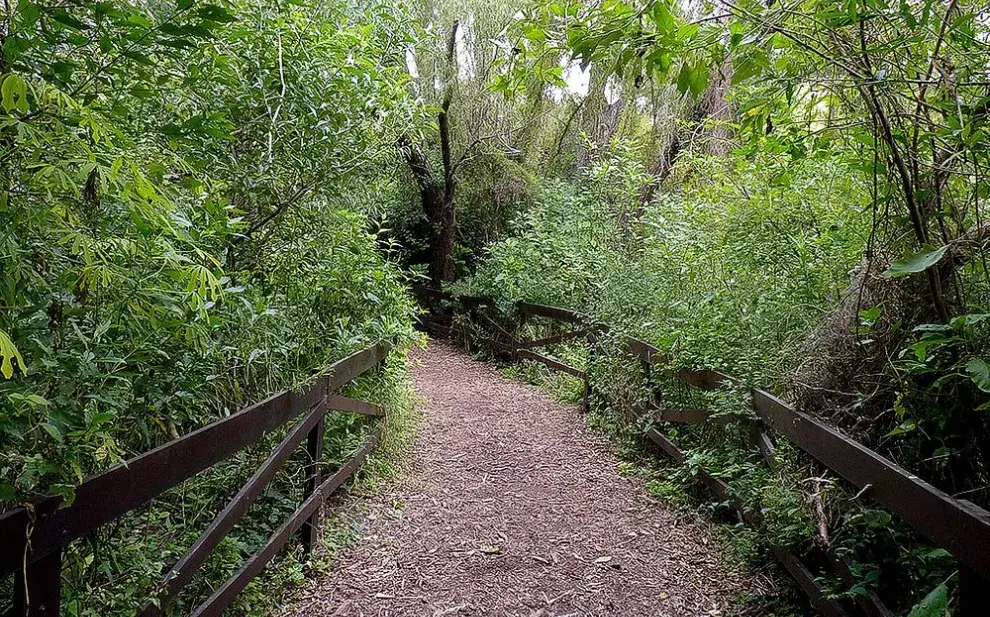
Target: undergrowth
x,y
732,271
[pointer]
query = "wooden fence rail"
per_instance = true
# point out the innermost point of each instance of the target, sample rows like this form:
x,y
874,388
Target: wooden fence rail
x,y
32,538
958,526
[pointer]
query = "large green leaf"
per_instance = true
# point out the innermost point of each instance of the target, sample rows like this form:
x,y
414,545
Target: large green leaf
x,y
979,372
915,262
13,94
933,605
9,355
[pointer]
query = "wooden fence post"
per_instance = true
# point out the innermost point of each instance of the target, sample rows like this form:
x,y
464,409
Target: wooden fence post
x,y
314,446
592,348
37,591
974,594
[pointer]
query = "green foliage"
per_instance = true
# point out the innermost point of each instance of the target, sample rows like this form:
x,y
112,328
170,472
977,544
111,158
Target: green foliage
x,y
917,261
730,272
933,605
179,241
733,270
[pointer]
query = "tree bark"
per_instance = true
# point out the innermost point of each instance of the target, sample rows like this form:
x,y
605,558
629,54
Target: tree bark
x,y
711,104
437,199
437,195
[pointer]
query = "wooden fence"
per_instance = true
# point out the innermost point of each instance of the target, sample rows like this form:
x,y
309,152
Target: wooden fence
x,y
956,525
32,538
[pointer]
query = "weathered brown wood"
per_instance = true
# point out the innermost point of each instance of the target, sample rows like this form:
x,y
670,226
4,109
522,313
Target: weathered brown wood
x,y
961,528
310,531
346,370
762,441
497,346
806,581
182,572
550,340
974,594
643,350
148,475
223,596
38,591
558,366
342,403
693,416
666,445
553,312
869,603
435,326
510,340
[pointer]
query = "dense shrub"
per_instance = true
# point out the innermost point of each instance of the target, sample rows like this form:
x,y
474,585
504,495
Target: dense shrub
x,y
178,240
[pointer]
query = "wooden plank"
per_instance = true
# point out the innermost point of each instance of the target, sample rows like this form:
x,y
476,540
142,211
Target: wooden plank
x,y
115,492
310,531
553,312
341,403
512,342
38,591
806,581
550,340
869,603
346,370
961,528
497,346
225,594
762,441
974,594
704,379
694,416
435,326
557,366
666,445
182,572
643,350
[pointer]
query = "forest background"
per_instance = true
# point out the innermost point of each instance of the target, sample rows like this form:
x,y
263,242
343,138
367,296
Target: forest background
x,y
206,202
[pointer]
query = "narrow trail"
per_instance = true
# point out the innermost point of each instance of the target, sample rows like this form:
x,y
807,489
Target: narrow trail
x,y
511,506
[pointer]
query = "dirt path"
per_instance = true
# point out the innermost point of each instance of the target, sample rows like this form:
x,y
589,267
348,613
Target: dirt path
x,y
513,507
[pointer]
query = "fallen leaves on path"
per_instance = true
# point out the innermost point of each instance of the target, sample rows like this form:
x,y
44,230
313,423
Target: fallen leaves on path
x,y
513,507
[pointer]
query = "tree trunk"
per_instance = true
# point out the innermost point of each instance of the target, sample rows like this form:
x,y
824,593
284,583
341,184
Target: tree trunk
x,y
437,199
711,104
437,195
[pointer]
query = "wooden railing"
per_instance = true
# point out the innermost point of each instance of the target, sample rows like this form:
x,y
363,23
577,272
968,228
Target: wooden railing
x,y
956,525
32,538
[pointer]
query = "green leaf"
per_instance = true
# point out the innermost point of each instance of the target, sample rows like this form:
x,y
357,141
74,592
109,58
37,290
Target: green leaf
x,y
9,354
662,17
684,79
904,427
65,19
53,431
933,605
915,262
979,372
699,80
13,94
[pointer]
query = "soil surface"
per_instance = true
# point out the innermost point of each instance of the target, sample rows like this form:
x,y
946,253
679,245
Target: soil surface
x,y
512,506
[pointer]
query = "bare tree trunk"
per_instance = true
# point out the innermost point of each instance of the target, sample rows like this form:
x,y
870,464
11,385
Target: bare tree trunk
x,y
437,195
